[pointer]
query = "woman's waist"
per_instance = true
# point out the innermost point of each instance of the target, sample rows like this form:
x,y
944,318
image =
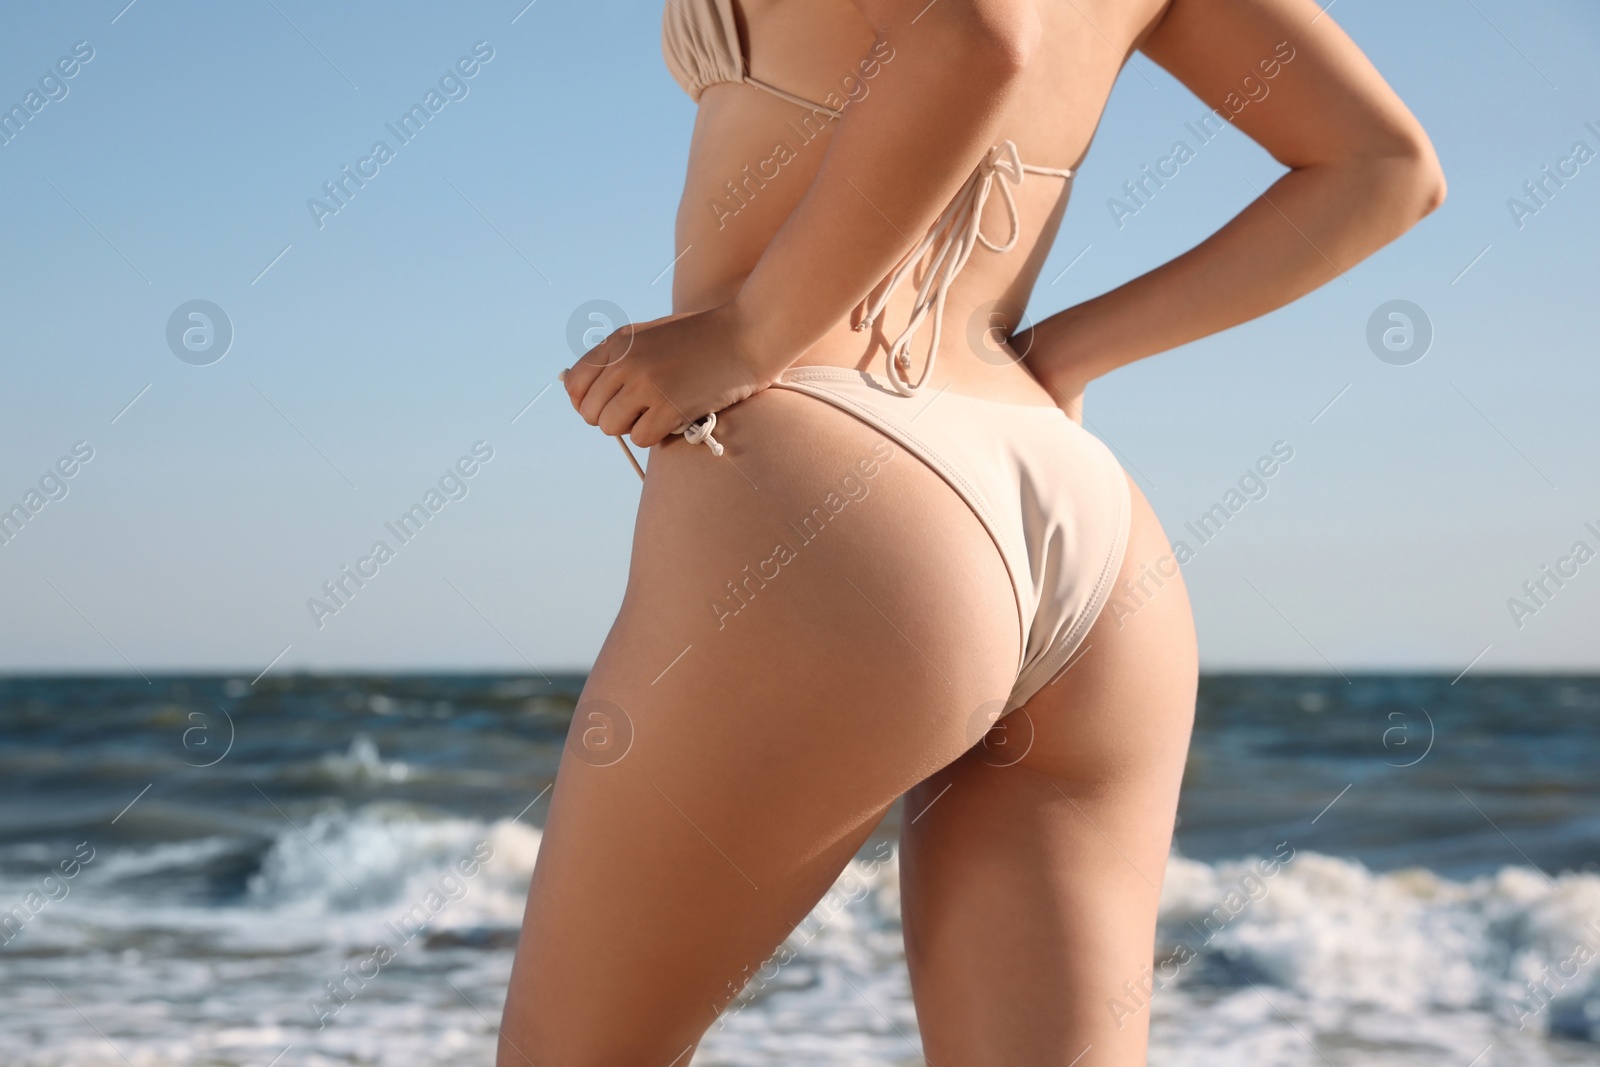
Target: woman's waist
x,y
969,349
977,365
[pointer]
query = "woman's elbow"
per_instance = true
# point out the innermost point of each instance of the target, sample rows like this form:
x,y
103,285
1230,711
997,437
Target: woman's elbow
x,y
1406,180
1430,185
1001,35
1393,163
1016,35
1424,186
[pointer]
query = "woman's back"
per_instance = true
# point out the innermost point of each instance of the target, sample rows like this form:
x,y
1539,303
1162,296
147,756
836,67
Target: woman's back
x,y
755,154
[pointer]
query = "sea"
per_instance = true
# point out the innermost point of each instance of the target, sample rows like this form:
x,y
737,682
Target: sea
x,y
1388,871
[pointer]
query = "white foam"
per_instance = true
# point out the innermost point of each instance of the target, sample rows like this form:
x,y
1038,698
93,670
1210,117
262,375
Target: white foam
x,y
1407,968
1406,941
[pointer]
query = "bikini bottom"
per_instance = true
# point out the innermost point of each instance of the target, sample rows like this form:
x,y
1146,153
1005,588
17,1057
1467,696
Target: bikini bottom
x,y
1050,494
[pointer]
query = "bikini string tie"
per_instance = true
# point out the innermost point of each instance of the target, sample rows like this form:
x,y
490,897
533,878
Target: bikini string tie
x,y
697,432
949,243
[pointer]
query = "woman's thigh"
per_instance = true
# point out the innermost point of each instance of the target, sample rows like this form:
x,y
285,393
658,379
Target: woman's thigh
x,y
809,623
1031,889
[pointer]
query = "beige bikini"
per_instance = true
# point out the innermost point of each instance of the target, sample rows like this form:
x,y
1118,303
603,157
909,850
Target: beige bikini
x,y
1050,494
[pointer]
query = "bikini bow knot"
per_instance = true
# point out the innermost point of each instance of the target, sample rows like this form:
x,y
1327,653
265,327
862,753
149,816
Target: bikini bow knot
x,y
946,248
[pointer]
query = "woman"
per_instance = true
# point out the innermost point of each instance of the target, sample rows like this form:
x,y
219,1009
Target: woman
x,y
893,536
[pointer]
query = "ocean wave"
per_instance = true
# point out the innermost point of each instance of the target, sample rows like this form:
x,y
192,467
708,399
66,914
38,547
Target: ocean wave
x,y
382,856
1518,944
1255,957
330,881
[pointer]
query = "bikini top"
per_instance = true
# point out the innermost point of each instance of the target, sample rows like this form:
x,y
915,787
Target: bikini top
x,y
700,42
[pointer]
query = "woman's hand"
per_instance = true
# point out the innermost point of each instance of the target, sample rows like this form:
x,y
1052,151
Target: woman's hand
x,y
1049,352
652,379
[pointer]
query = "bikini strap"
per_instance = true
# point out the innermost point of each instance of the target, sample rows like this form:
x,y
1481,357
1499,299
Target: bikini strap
x,y
793,99
949,243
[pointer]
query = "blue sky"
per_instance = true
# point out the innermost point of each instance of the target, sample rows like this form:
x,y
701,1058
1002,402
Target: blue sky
x,y
371,353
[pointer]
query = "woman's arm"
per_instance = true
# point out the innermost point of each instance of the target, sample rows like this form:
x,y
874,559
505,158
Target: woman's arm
x,y
894,163
893,166
1362,172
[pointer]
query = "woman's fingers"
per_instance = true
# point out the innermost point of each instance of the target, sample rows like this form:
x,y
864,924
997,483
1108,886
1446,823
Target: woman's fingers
x,y
639,409
606,385
578,378
621,413
619,387
581,376
656,422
